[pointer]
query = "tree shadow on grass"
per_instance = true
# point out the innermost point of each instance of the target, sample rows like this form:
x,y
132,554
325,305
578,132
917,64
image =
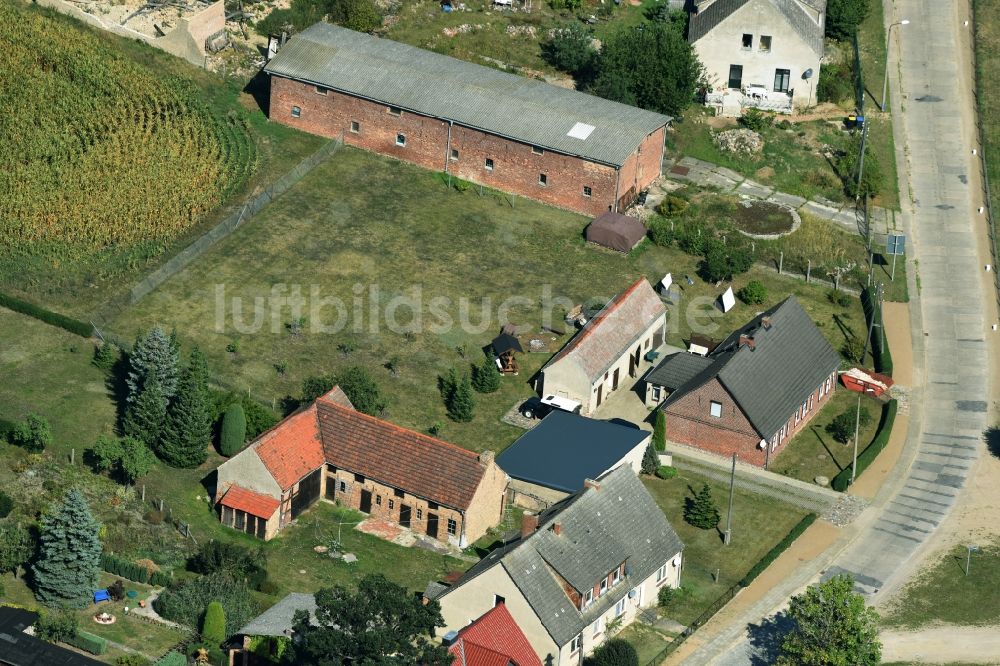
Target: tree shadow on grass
x,y
992,438
816,431
766,637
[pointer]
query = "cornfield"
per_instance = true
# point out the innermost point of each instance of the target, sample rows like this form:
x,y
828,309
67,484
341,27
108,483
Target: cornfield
x,y
100,154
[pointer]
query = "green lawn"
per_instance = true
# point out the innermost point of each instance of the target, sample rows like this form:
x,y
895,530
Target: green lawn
x,y
813,451
791,160
648,642
758,523
943,593
361,223
987,43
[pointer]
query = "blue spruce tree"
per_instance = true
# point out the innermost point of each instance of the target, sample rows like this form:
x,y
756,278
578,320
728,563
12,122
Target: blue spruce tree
x,y
153,351
69,555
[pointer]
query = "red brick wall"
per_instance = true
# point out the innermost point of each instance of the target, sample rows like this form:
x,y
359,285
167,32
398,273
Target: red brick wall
x,y
689,422
642,167
515,167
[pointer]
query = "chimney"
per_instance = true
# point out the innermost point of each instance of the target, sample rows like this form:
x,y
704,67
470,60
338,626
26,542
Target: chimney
x,y
746,340
529,523
590,483
486,458
766,322
557,528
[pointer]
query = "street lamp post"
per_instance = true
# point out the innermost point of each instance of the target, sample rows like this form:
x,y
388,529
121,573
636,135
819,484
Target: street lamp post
x,y
857,429
885,82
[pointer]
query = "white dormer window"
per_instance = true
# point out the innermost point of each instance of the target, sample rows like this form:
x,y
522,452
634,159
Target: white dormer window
x,y
616,577
604,586
588,598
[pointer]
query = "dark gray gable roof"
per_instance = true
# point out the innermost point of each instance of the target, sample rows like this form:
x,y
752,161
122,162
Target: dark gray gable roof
x,y
523,109
599,529
564,449
277,620
702,22
677,369
19,649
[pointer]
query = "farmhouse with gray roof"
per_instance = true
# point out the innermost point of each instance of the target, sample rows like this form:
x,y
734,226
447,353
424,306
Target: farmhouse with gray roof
x,y
513,133
755,390
599,555
763,53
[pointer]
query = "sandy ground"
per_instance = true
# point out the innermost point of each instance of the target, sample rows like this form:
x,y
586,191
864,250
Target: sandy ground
x,y
943,644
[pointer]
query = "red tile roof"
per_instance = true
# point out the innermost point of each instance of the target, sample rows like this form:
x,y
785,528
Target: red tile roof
x,y
493,640
291,449
605,337
253,503
419,464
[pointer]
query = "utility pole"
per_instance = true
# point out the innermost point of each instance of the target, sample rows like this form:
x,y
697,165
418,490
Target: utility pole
x,y
876,306
727,537
857,428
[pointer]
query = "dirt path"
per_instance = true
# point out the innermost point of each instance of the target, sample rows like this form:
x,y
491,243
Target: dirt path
x,y
943,644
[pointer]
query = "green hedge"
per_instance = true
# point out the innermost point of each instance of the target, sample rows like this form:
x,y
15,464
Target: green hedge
x,y
48,316
881,356
119,566
779,548
172,658
88,643
867,457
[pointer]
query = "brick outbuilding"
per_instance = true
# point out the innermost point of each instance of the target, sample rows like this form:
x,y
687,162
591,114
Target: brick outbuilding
x,y
511,133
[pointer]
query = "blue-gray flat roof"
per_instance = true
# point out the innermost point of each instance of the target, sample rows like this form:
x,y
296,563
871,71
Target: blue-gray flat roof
x,y
564,449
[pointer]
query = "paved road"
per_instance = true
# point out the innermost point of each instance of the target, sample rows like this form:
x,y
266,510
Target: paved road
x,y
950,397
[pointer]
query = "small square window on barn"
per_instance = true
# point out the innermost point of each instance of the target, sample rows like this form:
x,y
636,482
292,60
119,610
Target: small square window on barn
x,y
378,500
392,505
359,479
400,139
543,180
397,492
765,43
296,112
537,151
343,486
420,514
747,41
587,191
454,154
715,409
395,110
320,90
452,526
489,164
355,127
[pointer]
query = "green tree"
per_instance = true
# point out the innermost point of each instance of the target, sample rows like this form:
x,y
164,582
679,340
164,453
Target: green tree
x,y
701,511
146,417
136,460
841,428
234,430
69,554
33,434
105,356
153,351
56,627
570,48
652,66
722,262
17,545
614,652
486,376
844,16
213,627
832,626
650,460
198,366
462,403
852,349
872,178
754,293
362,390
660,431
106,453
379,623
188,429
317,385
360,15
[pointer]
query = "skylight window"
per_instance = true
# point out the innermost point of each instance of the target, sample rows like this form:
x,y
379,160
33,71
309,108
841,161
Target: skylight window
x,y
581,131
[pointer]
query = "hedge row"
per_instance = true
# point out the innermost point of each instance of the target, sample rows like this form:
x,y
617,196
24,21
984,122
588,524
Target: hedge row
x,y
867,457
127,569
881,355
172,658
48,316
88,642
779,548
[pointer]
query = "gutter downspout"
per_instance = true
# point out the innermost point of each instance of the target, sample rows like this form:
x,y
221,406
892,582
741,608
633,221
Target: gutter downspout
x,y
618,182
447,150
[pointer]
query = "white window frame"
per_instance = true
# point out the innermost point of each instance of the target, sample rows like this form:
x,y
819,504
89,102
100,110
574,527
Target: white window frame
x,y
597,628
661,573
576,644
296,112
489,164
588,191
713,407
401,140
604,587
588,598
355,127
620,607
616,576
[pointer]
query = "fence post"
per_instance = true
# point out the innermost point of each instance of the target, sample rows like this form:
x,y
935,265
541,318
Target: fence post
x,y
72,456
144,492
781,261
809,266
161,506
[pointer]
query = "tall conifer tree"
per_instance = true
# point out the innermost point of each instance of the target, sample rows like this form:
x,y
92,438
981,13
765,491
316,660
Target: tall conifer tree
x,y
69,555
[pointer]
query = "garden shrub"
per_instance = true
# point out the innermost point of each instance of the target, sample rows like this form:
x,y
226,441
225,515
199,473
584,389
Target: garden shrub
x,y
615,652
841,428
486,376
56,627
117,590
835,84
234,430
172,658
754,293
132,660
666,472
756,120
128,569
185,602
700,511
664,596
88,642
841,298
868,456
778,549
660,232
105,356
222,556
671,205
33,434
213,627
569,49
62,321
852,349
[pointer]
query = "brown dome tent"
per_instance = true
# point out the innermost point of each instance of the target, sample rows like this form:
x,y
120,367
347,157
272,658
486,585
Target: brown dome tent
x,y
617,231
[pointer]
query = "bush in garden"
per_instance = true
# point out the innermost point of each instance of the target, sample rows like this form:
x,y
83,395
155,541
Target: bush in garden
x,y
56,627
615,652
664,596
754,293
222,556
185,602
234,430
213,628
700,511
33,434
486,376
671,205
650,460
756,120
666,472
660,232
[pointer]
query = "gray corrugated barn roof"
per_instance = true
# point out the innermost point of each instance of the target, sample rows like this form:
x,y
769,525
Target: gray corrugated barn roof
x,y
796,12
788,360
565,449
523,109
277,620
599,529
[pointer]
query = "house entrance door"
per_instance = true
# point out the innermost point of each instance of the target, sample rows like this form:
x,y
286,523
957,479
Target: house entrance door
x,y
600,393
614,380
432,525
404,515
366,501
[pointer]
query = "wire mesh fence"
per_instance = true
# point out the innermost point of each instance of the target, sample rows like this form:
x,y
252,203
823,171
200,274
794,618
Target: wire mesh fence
x,y
981,110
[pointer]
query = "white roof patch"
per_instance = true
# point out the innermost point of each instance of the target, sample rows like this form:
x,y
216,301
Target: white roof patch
x,y
581,131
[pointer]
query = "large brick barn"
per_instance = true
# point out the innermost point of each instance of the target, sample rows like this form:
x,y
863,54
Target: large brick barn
x,y
508,132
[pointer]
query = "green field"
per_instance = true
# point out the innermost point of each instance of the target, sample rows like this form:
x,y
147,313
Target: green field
x,y
813,451
987,41
363,222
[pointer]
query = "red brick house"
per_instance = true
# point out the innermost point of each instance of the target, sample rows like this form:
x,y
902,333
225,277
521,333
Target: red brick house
x,y
329,450
754,391
494,639
508,132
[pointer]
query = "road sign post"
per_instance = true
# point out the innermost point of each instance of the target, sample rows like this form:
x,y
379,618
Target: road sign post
x,y
968,557
895,244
